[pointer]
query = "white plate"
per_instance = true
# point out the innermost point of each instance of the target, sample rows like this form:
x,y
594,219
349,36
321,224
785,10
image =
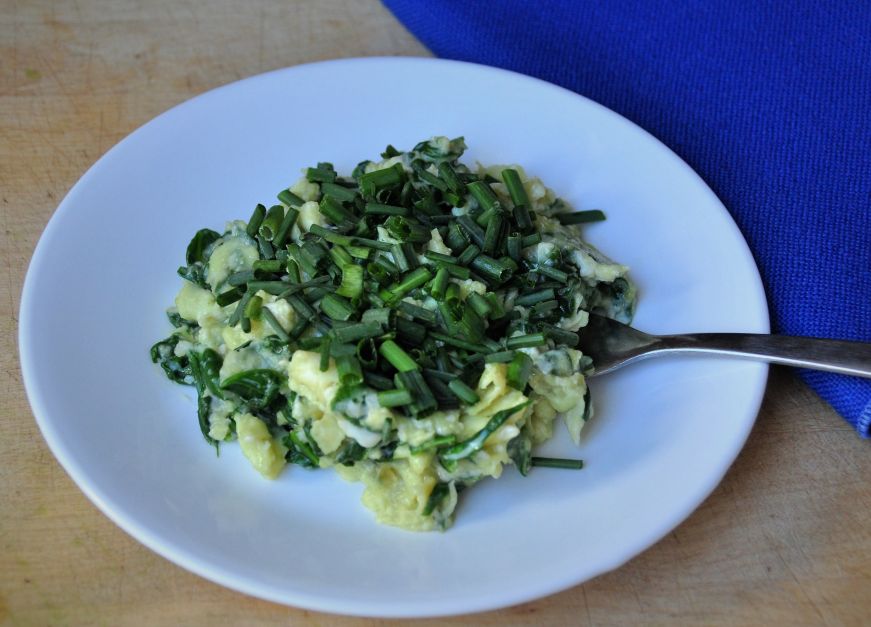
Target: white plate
x,y
664,433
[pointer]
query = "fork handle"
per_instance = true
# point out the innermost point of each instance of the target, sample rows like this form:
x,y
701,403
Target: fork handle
x,y
853,358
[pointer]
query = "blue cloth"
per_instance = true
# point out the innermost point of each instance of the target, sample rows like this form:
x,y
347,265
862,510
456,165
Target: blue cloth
x,y
770,102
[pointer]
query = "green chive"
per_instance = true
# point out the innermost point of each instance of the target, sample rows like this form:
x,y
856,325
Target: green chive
x,y
254,307
449,176
394,398
325,355
558,462
377,209
397,357
285,227
289,198
519,371
273,322
526,341
580,217
352,281
333,210
483,193
502,357
554,273
350,372
440,284
526,300
229,297
479,304
468,255
410,281
342,194
436,442
357,332
336,307
255,221
458,343
271,223
463,391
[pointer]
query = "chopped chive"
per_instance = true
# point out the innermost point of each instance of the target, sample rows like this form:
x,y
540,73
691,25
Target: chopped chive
x,y
270,287
502,357
410,281
479,304
342,194
267,250
459,343
493,234
289,198
449,176
472,230
440,284
483,193
325,355
269,226
394,397
526,300
580,217
399,258
543,309
340,256
397,357
407,230
558,462
366,352
388,178
530,240
273,322
320,174
417,312
333,210
523,218
255,221
356,332
512,181
267,266
468,255
254,307
554,273
285,227
336,307
301,307
236,316
492,269
436,442
377,209
526,341
561,336
519,371
514,246
422,398
229,297
352,281
456,238
350,372
456,271
377,381
468,447
409,333
434,256
463,391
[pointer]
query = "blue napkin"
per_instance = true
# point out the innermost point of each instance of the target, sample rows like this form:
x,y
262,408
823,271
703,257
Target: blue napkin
x,y
769,102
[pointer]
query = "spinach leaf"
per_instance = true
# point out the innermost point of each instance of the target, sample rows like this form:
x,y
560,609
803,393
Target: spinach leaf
x,y
197,249
350,452
204,401
195,273
176,368
257,387
520,452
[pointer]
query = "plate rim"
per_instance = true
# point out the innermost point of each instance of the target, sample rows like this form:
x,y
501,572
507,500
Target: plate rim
x,y
180,556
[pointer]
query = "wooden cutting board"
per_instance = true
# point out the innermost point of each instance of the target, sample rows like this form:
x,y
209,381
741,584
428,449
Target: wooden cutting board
x,y
784,540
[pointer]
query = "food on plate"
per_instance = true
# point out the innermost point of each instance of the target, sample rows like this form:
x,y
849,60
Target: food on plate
x,y
411,325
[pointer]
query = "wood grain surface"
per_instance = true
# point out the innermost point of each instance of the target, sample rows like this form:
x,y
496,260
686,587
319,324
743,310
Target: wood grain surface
x,y
784,540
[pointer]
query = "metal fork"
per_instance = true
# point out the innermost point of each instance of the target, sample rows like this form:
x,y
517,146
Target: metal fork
x,y
612,345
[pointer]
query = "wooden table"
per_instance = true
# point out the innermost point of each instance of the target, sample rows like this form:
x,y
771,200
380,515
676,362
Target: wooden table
x,y
785,539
